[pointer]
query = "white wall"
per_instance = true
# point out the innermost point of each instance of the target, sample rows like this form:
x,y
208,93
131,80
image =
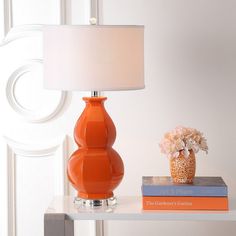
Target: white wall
x,y
190,61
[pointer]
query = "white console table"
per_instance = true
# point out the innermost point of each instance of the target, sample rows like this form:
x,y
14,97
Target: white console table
x,y
60,215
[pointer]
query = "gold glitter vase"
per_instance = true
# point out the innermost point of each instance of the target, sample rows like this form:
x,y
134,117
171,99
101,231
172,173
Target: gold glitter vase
x,y
183,168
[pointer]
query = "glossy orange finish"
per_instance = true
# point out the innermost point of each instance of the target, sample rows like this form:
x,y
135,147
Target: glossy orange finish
x,y
95,169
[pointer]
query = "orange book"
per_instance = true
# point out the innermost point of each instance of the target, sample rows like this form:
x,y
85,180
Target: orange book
x,y
185,203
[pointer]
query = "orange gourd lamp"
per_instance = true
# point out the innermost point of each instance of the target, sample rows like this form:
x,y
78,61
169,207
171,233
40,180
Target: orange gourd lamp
x,y
94,58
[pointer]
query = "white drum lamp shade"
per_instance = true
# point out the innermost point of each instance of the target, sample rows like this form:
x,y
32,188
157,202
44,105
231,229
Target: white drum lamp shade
x,y
93,58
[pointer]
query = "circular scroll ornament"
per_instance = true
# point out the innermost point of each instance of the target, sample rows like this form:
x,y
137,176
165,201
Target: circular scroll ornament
x,y
27,97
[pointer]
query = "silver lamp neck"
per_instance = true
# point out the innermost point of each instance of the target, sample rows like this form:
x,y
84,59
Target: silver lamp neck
x,y
95,93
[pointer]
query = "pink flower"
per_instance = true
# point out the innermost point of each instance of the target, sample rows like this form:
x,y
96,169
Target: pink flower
x,y
182,139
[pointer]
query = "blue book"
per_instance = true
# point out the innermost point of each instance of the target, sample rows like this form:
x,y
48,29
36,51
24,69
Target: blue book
x,y
201,186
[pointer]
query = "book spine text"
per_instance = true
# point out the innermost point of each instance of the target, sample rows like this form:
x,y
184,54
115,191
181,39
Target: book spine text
x,y
185,203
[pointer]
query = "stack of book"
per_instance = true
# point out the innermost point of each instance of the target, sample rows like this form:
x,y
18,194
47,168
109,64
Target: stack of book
x,y
205,193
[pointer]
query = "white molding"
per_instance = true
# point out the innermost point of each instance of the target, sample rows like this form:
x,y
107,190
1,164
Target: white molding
x,y
21,31
99,228
16,148
11,193
63,12
61,164
8,21
65,157
28,115
12,32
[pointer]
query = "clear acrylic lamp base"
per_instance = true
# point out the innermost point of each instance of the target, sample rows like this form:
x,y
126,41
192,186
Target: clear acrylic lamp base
x,y
90,203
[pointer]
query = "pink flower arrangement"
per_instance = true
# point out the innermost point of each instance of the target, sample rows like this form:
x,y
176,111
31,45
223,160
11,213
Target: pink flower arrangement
x,y
182,139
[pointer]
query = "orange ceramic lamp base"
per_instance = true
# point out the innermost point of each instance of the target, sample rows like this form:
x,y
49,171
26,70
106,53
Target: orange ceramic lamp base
x,y
95,169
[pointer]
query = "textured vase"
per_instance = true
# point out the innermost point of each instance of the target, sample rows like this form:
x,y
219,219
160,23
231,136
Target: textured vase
x,y
183,168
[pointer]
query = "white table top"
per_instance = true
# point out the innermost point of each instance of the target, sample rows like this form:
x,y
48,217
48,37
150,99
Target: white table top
x,y
130,208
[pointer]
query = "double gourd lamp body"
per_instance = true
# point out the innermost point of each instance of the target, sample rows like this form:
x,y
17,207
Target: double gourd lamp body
x,y
94,58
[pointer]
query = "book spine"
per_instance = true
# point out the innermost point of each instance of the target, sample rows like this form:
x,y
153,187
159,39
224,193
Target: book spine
x,y
195,191
185,203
